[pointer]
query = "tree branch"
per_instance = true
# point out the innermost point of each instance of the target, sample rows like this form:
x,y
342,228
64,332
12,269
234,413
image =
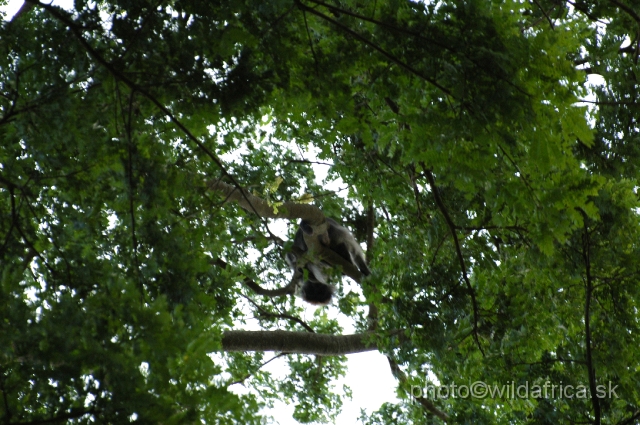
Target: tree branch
x,y
424,402
376,47
73,414
545,14
631,420
627,9
280,315
259,290
248,375
298,342
452,228
372,316
24,9
586,255
262,208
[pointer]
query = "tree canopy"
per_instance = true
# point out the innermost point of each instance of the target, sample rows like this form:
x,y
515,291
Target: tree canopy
x,y
149,148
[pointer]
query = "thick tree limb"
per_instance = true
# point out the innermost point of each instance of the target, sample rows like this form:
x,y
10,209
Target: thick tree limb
x,y
298,342
24,9
262,208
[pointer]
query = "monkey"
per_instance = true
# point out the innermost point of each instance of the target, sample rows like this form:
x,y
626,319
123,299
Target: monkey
x,y
310,280
315,289
342,242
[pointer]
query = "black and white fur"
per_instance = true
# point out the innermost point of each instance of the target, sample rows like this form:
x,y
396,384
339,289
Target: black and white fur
x,y
315,289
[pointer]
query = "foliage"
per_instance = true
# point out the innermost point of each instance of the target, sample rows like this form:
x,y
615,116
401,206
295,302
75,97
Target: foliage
x,y
501,214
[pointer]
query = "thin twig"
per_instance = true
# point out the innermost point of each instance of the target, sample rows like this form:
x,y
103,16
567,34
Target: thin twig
x,y
248,375
424,402
313,52
452,229
376,47
280,315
